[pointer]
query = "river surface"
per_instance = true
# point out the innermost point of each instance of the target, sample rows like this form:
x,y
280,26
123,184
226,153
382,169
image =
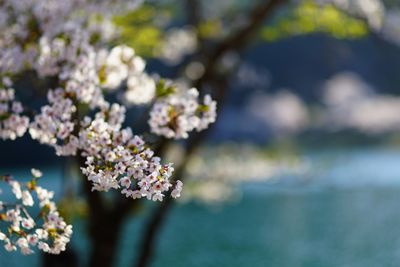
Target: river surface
x,y
343,212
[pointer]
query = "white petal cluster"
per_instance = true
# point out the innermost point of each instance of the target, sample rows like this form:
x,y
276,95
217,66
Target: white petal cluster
x,y
54,125
56,40
112,154
49,54
81,80
12,123
178,189
208,113
177,114
40,34
117,159
57,121
115,66
47,230
179,42
121,65
141,89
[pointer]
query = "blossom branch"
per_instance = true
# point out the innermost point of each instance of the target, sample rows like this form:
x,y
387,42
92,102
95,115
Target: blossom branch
x,y
24,232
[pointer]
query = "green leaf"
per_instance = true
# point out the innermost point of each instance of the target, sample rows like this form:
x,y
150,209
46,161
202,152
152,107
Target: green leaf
x,y
308,17
162,89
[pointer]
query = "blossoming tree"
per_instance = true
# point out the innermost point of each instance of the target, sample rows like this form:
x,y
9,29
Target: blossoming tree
x,y
89,80
68,42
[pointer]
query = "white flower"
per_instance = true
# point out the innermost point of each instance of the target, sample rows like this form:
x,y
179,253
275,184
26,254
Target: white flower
x,y
2,236
120,54
141,89
179,42
158,196
177,190
9,246
32,239
42,234
17,107
26,250
116,66
16,189
36,173
27,199
136,194
28,223
43,246
125,182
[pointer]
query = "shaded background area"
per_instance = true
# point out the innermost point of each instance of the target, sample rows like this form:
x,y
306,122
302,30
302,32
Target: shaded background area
x,y
303,165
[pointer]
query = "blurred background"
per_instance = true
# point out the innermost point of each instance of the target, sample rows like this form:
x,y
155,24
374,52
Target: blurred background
x,y
302,167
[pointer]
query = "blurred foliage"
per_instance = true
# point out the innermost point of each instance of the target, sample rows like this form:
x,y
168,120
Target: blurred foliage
x,y
139,29
72,208
210,29
308,17
164,89
144,28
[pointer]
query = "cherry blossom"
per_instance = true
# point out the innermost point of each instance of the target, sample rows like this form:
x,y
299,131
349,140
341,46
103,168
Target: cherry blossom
x,y
12,123
118,159
70,43
48,231
177,114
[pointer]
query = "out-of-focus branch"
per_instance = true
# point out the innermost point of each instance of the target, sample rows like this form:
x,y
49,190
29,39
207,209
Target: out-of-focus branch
x,y
239,39
193,12
235,42
158,216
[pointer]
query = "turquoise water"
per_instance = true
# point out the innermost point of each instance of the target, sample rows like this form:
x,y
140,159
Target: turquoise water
x,y
343,212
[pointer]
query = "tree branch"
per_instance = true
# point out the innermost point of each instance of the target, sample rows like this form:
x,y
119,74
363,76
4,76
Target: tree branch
x,y
158,216
237,41
193,12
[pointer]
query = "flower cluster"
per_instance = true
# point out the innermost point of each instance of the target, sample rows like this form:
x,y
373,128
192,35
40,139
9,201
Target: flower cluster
x,y
178,44
12,123
116,65
141,89
41,34
19,230
81,80
53,39
112,154
177,114
120,160
62,43
121,64
178,189
54,125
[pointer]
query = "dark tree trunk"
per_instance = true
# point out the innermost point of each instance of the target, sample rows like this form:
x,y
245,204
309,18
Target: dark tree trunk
x,y
68,258
104,225
146,249
104,237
